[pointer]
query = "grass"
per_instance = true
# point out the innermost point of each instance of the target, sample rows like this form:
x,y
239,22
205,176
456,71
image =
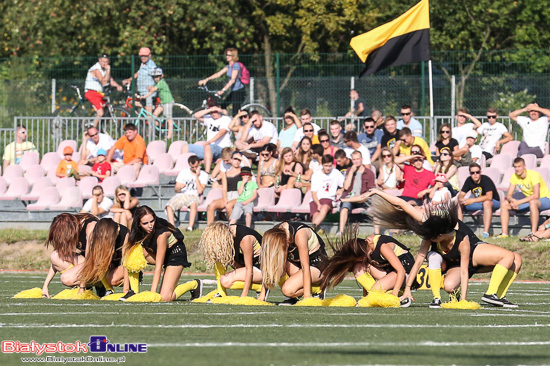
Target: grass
x,y
207,334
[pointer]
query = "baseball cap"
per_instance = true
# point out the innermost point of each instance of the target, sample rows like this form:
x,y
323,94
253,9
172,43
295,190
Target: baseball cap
x,y
104,55
101,152
246,171
472,134
441,178
144,51
68,150
157,71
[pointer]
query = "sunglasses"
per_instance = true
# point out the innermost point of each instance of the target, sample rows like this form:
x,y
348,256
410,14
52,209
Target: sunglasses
x,y
265,154
475,172
445,132
405,114
386,156
369,126
94,135
308,130
445,154
492,117
229,55
402,140
324,140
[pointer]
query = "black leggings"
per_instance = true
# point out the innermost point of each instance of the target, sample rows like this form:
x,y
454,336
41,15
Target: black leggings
x,y
235,98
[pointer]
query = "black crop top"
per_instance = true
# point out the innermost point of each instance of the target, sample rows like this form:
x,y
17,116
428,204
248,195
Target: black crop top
x,y
377,257
241,232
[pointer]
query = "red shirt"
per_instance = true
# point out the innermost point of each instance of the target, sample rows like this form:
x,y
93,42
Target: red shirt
x,y
101,168
416,181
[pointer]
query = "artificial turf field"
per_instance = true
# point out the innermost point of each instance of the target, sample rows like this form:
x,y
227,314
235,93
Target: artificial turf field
x,y
184,333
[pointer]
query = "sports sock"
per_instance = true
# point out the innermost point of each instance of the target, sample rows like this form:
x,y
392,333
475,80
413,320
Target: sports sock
x,y
505,284
434,280
315,290
497,277
366,281
134,281
106,284
239,285
219,271
184,287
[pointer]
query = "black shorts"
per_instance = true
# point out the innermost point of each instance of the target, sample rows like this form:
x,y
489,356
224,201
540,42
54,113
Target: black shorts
x,y
176,255
472,270
407,260
317,259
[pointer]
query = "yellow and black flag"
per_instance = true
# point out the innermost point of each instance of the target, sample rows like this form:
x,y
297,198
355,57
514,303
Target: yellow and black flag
x,y
403,40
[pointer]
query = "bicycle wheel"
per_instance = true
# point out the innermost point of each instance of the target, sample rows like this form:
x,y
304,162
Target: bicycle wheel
x,y
264,111
61,120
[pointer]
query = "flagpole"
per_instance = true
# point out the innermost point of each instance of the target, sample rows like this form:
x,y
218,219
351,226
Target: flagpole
x,y
431,99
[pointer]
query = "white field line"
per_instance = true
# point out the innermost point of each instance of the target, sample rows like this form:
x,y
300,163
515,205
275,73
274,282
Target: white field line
x,y
352,344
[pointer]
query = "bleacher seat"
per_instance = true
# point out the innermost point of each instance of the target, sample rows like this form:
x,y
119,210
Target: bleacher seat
x,y
65,143
64,183
3,185
148,176
213,194
154,149
463,174
70,198
492,173
510,148
39,185
86,186
175,149
127,174
545,173
18,187
52,175
545,162
109,186
49,196
505,181
288,199
30,158
164,162
304,206
181,163
50,160
530,161
33,173
12,172
501,162
266,198
84,169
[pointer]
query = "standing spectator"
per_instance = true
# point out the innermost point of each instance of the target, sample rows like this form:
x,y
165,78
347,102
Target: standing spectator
x,y
324,140
326,184
358,181
469,152
98,205
353,144
536,196
372,140
229,180
446,140
359,105
491,133
336,135
484,197
305,117
248,192
13,152
233,72
98,78
67,167
416,178
144,77
288,170
390,175
217,136
446,167
343,163
535,129
124,206
258,133
407,120
391,133
166,99
133,148
190,184
406,142
292,123
92,142
267,167
463,129
102,168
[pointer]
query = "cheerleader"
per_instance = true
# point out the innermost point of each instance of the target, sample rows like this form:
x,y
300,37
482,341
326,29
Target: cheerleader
x,y
237,246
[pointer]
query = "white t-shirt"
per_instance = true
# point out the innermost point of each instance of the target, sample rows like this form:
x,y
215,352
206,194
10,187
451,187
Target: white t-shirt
x,y
315,166
364,153
327,185
299,135
92,83
490,135
441,195
460,133
214,126
105,143
534,132
106,204
188,178
267,129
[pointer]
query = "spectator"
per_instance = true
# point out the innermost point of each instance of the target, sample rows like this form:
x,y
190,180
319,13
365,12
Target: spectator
x,y
13,152
372,140
233,72
229,180
225,164
463,129
353,144
358,180
98,78
391,133
445,140
218,136
305,117
536,196
304,153
166,99
98,205
67,167
492,133
144,77
190,184
124,206
326,184
542,233
288,170
407,140
310,132
439,194
248,192
238,123
336,135
267,167
484,196
359,105
417,150
446,167
535,129
292,123
313,167
258,133
133,148
390,175
469,152
324,140
416,178
378,119
92,142
343,163
407,120
102,168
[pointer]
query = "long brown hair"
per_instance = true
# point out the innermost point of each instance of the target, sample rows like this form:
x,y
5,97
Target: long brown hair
x,y
101,249
439,136
273,256
137,233
281,163
63,236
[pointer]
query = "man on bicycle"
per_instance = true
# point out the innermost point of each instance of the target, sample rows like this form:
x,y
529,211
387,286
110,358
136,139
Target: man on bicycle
x,y
99,77
144,77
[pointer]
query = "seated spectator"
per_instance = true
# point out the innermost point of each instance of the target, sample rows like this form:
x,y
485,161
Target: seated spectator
x,y
336,135
493,134
535,129
439,194
229,180
257,134
313,167
248,192
190,184
98,205
463,129
407,120
469,152
445,166
223,165
101,168
343,163
288,170
372,140
391,133
67,167
445,140
484,197
378,119
267,170
353,144
133,147
292,123
304,153
542,233
124,206
417,150
306,118
326,184
324,140
13,152
92,142
218,136
416,178
407,140
358,180
309,131
238,124
390,175
536,196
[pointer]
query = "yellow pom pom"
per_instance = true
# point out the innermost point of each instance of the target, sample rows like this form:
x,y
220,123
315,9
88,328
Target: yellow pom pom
x,y
206,297
134,260
310,301
462,305
224,299
340,301
33,293
113,297
377,299
72,294
145,296
251,301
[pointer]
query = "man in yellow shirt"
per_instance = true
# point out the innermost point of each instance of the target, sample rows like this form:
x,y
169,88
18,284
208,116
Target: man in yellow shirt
x,y
407,140
15,150
533,187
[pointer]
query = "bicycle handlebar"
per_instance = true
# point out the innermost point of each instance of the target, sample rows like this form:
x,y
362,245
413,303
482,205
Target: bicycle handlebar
x,y
213,92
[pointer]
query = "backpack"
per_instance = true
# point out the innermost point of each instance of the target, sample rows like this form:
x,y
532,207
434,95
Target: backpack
x,y
245,74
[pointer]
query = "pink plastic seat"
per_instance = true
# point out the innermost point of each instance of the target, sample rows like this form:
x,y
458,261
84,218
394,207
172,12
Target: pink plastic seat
x,y
463,173
505,182
304,206
84,168
39,185
70,198
181,163
65,143
18,187
109,185
545,162
213,194
175,149
33,173
530,161
288,200
3,185
148,176
48,197
64,183
52,175
266,198
12,172
50,160
30,158
545,173
127,174
492,173
86,185
164,162
501,162
154,149
510,148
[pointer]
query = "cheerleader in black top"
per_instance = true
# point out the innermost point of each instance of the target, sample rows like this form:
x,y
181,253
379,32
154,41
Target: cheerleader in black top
x,y
237,246
451,248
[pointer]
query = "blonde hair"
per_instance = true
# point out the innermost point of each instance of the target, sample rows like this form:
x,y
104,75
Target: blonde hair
x,y
273,256
101,249
217,244
227,152
234,53
117,203
281,163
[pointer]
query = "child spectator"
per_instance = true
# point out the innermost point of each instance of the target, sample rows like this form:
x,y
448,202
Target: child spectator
x,y
439,193
165,96
67,167
326,184
248,191
102,168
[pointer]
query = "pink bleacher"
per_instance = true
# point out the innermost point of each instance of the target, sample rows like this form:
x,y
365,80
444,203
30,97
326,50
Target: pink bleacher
x,y
266,198
3,185
86,186
501,162
545,162
492,173
18,187
530,161
70,198
181,163
304,206
463,174
30,158
164,162
510,148
39,185
213,194
545,173
148,176
127,174
65,183
505,181
65,143
175,149
48,197
50,160
109,185
11,172
288,200
34,173
52,175
84,168
154,149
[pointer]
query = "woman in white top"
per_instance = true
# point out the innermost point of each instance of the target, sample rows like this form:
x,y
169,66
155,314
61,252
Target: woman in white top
x,y
390,174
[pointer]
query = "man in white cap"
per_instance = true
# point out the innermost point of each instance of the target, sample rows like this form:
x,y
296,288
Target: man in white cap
x,y
468,152
144,77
